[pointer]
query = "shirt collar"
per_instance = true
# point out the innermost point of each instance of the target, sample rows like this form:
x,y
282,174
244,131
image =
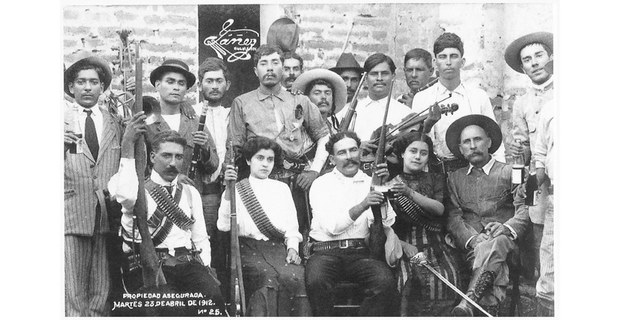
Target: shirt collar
x,y
544,86
95,109
442,90
263,94
486,169
360,176
155,177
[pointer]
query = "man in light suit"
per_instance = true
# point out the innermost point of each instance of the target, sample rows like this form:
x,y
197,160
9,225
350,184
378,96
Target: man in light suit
x,y
91,155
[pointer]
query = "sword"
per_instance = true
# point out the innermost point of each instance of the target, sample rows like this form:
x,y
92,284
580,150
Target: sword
x,y
420,260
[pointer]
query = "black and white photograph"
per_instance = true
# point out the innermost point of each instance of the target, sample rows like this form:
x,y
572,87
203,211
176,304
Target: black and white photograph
x,y
310,159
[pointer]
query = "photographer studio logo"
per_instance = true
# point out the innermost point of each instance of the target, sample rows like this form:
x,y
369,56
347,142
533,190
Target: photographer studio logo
x,y
233,44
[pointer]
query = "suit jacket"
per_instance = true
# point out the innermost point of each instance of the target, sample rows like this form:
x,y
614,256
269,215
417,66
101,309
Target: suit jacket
x,y
209,159
86,179
477,199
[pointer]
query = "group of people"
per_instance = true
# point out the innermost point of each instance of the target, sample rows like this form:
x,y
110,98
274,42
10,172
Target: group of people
x,y
304,198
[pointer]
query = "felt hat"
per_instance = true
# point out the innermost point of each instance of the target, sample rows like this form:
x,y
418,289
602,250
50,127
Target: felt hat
x,y
513,51
453,134
340,88
91,60
347,61
173,65
283,33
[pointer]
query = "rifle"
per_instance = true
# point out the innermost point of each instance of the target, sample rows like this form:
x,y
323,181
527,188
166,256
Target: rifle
x,y
152,274
377,235
196,154
237,291
346,121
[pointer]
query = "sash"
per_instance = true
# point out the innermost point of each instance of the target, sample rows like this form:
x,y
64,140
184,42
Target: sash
x,y
256,211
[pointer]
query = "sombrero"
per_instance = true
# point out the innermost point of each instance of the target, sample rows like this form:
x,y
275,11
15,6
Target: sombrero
x,y
513,51
340,88
453,134
92,60
173,65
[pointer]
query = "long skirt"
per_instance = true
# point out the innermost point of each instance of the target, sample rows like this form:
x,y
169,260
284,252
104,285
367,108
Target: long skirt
x,y
423,293
272,286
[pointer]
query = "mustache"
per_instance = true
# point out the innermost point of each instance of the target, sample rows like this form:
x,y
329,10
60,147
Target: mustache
x,y
351,161
290,78
171,170
475,153
269,75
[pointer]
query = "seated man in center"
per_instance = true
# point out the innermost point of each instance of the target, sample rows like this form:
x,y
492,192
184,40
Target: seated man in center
x,y
268,234
341,201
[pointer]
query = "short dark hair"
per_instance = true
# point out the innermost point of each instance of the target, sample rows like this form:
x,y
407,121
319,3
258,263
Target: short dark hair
x,y
293,55
87,66
448,40
317,82
265,50
212,64
401,144
167,136
376,59
329,146
255,144
420,54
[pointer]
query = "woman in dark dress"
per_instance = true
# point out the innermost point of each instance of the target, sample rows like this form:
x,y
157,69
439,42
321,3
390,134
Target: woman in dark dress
x,y
421,228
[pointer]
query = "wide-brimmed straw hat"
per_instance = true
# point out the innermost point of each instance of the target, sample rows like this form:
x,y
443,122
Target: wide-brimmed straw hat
x,y
453,134
91,60
513,51
340,88
173,65
345,62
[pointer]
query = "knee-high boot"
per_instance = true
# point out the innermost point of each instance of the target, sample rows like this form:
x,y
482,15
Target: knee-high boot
x,y
480,283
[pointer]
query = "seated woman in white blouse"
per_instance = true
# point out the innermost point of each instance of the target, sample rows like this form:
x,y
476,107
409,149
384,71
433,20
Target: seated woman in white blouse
x,y
272,274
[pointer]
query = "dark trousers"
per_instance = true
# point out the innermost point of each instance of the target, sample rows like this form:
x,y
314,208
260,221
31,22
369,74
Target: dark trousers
x,y
325,268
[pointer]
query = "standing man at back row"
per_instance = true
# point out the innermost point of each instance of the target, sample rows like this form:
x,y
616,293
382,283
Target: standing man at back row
x,y
291,120
293,67
418,73
448,50
350,71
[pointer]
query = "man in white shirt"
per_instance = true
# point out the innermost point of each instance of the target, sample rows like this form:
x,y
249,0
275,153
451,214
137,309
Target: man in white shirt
x,y
448,50
175,218
341,203
214,82
370,110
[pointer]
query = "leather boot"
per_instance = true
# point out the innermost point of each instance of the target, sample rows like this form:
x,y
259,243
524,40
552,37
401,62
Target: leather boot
x,y
480,283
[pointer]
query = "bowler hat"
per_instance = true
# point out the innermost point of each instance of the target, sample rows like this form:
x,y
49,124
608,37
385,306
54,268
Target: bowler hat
x,y
345,62
453,134
173,65
340,88
91,60
283,33
513,51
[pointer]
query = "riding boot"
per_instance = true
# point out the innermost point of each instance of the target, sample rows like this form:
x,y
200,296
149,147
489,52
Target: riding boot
x,y
480,283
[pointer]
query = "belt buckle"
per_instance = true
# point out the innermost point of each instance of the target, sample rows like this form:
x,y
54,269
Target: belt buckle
x,y
346,244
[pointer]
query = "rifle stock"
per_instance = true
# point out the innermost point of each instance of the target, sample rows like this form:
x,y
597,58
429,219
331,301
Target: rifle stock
x,y
377,235
152,275
346,121
196,154
237,291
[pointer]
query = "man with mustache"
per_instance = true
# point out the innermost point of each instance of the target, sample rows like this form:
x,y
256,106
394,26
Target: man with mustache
x,y
214,82
530,54
481,213
418,72
341,201
172,80
291,120
293,68
448,53
350,71
174,216
327,91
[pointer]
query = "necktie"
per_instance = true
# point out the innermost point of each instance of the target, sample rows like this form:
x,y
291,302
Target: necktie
x,y
169,189
90,134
